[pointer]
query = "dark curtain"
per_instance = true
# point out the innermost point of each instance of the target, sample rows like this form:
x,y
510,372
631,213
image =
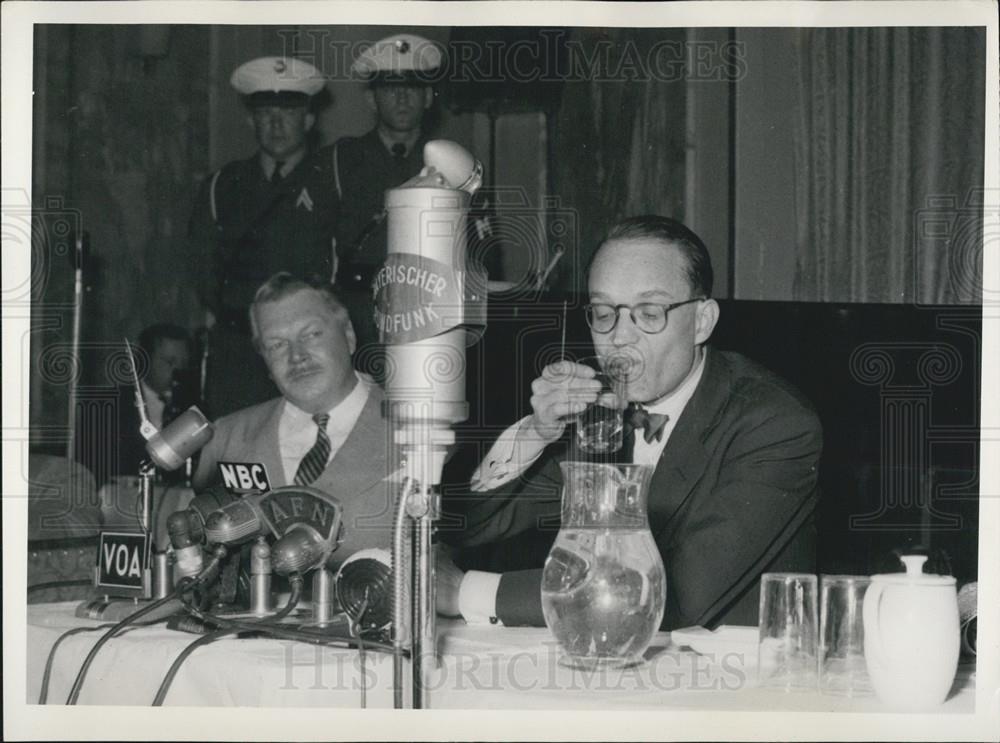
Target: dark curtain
x,y
619,137
889,150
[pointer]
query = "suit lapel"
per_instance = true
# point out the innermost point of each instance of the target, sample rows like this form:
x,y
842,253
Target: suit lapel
x,y
685,456
268,447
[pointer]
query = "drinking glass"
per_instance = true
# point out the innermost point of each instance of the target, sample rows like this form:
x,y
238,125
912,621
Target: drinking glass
x,y
599,428
842,668
787,653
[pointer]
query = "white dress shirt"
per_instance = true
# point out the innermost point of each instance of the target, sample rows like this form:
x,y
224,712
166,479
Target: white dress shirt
x,y
297,431
511,455
155,405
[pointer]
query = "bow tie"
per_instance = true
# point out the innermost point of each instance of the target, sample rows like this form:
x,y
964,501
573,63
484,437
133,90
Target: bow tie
x,y
652,424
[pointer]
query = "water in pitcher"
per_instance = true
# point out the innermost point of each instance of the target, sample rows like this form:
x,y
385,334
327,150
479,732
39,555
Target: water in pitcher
x,y
603,594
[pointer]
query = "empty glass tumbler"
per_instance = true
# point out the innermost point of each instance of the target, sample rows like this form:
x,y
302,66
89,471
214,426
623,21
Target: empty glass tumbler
x,y
603,585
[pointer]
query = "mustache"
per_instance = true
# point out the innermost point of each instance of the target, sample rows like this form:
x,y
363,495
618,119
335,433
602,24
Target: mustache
x,y
303,370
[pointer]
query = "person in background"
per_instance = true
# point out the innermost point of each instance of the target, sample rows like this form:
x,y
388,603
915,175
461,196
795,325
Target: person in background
x,y
273,211
167,385
735,450
325,430
399,71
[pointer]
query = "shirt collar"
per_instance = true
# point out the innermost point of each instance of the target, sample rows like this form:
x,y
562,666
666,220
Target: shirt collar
x,y
346,409
267,163
674,403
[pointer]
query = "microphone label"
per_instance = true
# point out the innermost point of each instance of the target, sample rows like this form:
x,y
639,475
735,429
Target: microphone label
x,y
290,506
244,477
416,297
122,559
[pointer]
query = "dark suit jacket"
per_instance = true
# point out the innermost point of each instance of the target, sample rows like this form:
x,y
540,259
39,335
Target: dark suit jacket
x,y
732,497
357,475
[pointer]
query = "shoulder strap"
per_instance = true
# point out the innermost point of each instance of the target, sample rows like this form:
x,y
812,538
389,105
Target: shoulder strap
x,y
336,170
211,196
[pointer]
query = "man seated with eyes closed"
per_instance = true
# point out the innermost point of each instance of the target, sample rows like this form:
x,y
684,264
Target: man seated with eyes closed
x,y
735,450
326,430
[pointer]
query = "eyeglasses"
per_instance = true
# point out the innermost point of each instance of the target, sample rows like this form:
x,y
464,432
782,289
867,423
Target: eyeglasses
x,y
649,317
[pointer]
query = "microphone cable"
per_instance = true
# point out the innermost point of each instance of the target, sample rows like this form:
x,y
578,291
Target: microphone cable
x,y
50,660
226,629
287,632
184,585
211,637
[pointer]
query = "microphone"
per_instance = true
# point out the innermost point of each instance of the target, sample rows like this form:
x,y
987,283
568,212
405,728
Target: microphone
x,y
300,550
183,438
459,168
364,588
306,521
186,529
236,522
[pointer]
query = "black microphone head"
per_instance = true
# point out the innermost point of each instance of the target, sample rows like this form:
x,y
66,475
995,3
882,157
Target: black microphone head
x,y
299,550
364,588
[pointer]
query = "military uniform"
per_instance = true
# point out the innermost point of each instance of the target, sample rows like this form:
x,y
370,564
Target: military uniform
x,y
252,229
250,224
364,170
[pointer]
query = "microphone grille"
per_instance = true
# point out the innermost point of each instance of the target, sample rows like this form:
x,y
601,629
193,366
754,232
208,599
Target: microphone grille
x,y
366,576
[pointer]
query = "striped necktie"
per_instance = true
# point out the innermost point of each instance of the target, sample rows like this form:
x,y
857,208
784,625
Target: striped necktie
x,y
314,462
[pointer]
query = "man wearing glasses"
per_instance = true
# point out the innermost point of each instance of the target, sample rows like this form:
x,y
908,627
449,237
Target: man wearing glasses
x,y
735,449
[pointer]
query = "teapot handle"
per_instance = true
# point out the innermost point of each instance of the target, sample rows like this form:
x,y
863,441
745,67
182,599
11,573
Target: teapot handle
x,y
874,649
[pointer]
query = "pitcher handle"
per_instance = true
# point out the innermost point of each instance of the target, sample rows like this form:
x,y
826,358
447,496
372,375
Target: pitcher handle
x,y
874,649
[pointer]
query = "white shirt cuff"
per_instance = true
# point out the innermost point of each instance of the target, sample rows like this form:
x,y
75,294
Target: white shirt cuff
x,y
477,597
512,454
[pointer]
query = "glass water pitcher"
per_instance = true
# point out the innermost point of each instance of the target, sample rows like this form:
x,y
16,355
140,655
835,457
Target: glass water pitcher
x,y
603,585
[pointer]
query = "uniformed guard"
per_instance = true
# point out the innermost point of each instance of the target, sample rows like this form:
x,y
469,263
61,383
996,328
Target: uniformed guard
x,y
275,211
400,71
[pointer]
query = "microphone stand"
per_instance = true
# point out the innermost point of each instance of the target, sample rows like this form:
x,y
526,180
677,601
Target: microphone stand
x,y
422,405
157,577
77,312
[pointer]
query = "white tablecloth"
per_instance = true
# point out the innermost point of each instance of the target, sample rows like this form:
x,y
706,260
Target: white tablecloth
x,y
482,667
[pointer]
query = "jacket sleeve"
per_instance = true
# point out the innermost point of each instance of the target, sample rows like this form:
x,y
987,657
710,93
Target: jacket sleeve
x,y
764,493
513,526
531,501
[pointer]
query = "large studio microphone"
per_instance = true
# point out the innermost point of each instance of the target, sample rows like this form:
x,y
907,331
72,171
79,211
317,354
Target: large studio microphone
x,y
427,310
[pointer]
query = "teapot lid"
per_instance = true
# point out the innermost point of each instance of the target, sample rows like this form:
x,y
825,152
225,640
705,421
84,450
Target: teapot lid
x,y
914,575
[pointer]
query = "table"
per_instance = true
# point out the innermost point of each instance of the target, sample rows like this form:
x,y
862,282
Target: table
x,y
482,667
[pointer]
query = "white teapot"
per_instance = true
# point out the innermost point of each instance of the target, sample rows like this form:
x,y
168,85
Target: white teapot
x,y
911,636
